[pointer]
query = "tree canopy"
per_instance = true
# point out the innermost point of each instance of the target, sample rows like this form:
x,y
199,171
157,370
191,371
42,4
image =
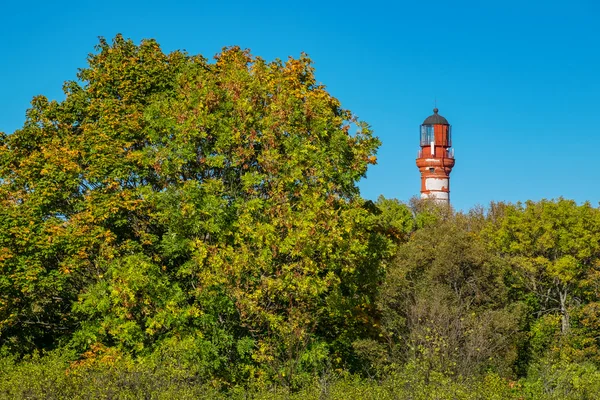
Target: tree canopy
x,y
166,195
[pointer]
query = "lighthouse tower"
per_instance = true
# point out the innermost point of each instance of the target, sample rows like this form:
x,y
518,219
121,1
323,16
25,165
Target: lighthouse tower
x,y
436,158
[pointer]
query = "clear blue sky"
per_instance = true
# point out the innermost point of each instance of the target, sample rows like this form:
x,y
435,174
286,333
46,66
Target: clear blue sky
x,y
518,80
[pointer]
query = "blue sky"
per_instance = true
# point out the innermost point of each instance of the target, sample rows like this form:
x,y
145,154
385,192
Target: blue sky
x,y
518,80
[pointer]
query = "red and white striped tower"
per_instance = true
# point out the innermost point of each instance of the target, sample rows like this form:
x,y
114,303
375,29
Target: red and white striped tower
x,y
436,158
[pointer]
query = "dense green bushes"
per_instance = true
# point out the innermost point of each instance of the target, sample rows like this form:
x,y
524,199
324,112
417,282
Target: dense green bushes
x,y
52,377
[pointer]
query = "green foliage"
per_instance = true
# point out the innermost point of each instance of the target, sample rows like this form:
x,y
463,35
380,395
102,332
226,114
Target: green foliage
x,y
549,379
168,197
70,197
53,377
44,378
395,219
131,304
179,228
444,303
554,247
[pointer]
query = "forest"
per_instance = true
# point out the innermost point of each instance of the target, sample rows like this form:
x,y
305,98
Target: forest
x,y
185,228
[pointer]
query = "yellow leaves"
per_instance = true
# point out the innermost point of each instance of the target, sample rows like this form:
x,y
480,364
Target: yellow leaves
x,y
200,251
565,268
65,270
5,254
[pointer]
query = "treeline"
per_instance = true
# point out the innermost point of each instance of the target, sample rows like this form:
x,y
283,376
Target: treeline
x,y
191,229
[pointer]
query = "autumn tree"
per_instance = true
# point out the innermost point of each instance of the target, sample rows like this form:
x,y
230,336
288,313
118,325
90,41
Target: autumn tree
x,y
169,196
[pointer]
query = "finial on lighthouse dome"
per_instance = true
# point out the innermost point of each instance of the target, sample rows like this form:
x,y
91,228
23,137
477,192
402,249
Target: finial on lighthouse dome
x,y
435,119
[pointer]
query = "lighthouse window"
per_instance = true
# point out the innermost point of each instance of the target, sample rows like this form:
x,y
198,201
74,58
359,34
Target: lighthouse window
x,y
431,169
427,135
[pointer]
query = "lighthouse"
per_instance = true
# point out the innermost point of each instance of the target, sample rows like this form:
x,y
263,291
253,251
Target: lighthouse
x,y
436,158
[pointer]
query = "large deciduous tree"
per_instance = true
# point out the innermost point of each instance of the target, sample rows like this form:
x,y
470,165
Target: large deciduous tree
x,y
167,195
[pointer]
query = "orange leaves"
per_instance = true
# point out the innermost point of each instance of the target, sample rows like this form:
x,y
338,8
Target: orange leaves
x,y
97,354
5,254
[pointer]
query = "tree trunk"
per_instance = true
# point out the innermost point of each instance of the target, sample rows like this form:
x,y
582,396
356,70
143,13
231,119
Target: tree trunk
x,y
565,324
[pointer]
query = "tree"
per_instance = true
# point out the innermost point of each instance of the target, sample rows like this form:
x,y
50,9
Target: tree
x,y
444,303
395,219
170,196
554,248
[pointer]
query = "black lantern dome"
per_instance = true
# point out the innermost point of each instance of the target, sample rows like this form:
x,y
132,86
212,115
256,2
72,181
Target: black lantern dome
x,y
435,119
